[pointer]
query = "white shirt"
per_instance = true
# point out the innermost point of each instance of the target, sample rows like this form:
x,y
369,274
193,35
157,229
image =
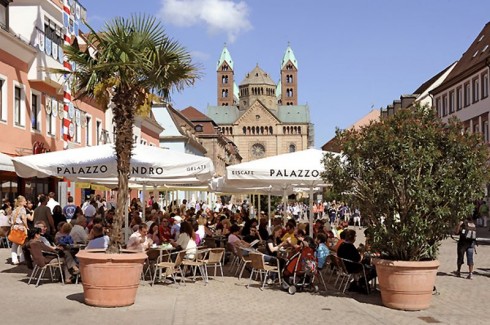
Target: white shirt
x,y
134,242
51,204
89,211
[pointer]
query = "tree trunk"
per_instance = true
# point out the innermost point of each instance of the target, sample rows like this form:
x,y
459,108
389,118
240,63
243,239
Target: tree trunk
x,y
123,119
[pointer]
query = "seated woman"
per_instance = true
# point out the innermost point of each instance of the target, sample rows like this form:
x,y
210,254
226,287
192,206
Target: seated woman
x,y
235,241
186,240
154,234
99,240
36,246
63,237
164,230
348,251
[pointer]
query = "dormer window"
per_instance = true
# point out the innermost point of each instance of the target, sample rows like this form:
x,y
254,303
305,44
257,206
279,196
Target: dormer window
x,y
198,128
4,14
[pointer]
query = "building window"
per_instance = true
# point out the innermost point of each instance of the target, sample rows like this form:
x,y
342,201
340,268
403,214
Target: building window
x,y
52,31
3,99
484,85
18,106
50,124
438,107
451,102
467,94
98,131
444,105
292,148
485,131
35,112
88,131
476,128
459,98
224,80
476,90
78,131
224,93
4,14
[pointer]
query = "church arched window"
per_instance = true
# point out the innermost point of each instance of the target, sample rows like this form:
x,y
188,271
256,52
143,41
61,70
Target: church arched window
x,y
292,147
270,129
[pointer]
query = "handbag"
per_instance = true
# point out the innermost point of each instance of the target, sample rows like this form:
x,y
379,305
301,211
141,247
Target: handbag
x,y
17,236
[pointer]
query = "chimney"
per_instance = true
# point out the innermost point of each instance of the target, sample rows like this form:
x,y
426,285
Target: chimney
x,y
407,100
397,104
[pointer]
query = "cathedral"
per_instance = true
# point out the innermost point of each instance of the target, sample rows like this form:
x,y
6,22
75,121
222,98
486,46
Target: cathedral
x,y
261,117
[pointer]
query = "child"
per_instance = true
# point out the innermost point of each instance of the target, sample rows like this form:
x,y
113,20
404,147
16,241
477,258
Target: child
x,y
322,251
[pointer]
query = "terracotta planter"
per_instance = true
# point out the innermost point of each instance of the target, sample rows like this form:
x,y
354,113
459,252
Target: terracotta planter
x,y
406,285
110,280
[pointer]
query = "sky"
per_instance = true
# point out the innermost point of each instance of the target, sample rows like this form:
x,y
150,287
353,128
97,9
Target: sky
x,y
353,55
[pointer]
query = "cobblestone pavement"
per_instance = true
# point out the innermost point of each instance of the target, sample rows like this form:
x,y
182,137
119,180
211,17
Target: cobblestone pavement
x,y
459,301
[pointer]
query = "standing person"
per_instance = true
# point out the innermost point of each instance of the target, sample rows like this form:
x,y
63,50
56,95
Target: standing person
x,y
52,202
69,209
484,213
18,220
90,210
43,213
466,244
357,217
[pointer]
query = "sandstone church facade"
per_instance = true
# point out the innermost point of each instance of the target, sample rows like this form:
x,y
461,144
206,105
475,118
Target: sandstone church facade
x,y
261,117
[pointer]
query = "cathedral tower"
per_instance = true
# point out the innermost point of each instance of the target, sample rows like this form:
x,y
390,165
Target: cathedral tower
x,y
289,79
225,79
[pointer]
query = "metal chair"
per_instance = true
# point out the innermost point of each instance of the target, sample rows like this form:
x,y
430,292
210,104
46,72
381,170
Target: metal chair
x,y
4,241
171,268
259,267
214,258
350,276
197,263
40,264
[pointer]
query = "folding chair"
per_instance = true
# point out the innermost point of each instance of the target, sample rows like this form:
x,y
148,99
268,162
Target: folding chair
x,y
349,276
197,263
214,258
40,264
171,268
4,241
259,267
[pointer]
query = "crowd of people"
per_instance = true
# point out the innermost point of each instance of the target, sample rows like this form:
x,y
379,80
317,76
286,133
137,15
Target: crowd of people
x,y
183,225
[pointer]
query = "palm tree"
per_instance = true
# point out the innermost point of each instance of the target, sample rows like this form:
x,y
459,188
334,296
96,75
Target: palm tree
x,y
127,63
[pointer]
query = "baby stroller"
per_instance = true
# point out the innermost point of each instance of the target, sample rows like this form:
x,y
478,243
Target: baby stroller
x,y
301,269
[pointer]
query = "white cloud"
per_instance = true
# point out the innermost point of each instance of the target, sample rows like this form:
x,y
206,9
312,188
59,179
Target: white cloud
x,y
201,56
219,16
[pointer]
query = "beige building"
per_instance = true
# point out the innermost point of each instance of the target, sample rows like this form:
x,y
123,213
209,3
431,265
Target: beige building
x,y
261,117
221,150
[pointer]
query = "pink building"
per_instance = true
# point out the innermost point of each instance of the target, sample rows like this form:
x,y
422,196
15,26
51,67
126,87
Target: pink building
x,y
37,113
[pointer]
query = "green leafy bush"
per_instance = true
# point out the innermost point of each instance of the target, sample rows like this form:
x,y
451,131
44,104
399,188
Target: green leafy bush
x,y
413,177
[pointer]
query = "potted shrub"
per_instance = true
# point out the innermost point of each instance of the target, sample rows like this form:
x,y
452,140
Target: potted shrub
x,y
413,177
125,65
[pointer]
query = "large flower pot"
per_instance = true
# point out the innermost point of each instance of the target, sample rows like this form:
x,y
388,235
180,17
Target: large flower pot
x,y
110,280
406,285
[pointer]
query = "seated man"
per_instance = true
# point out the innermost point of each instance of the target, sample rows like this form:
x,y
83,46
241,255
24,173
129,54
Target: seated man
x,y
78,233
348,251
138,241
253,236
99,240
